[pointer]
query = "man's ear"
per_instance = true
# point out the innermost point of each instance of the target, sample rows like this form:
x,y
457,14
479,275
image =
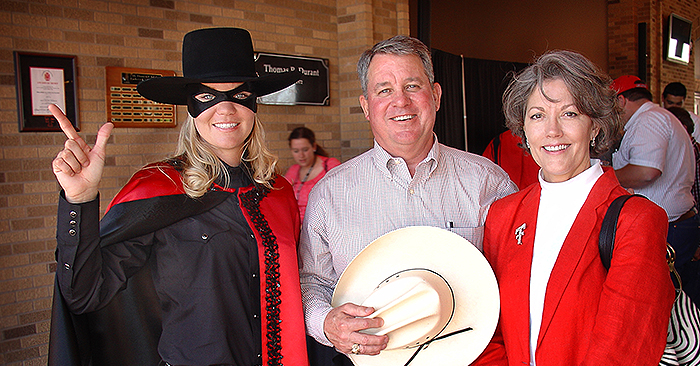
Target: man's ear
x,y
622,101
437,94
365,106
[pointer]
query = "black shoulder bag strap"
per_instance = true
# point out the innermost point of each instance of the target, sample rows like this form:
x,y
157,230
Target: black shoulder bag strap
x,y
606,239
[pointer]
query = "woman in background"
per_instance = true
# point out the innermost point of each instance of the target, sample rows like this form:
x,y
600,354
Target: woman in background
x,y
560,306
312,164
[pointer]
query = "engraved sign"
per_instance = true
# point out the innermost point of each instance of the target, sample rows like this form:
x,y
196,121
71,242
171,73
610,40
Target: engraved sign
x,y
127,108
311,89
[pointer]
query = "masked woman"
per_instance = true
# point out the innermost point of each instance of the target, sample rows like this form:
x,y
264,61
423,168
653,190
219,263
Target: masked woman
x,y
204,242
559,305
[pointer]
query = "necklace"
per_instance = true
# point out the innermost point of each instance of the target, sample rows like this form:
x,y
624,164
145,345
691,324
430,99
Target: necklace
x,y
301,185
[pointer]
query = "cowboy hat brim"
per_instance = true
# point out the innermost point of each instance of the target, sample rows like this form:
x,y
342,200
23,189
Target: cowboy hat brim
x,y
454,258
173,89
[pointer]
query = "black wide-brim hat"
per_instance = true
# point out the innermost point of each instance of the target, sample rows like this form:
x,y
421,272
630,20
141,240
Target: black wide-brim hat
x,y
214,55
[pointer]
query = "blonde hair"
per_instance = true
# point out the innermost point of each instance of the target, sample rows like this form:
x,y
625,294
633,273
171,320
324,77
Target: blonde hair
x,y
201,166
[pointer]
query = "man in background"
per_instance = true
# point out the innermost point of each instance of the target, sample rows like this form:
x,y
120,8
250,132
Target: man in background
x,y
505,150
656,160
674,96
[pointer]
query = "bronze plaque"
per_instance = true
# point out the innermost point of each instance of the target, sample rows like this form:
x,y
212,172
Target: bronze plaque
x,y
127,108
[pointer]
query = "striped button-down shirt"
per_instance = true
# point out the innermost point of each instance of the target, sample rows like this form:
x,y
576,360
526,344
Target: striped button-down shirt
x,y
373,194
655,138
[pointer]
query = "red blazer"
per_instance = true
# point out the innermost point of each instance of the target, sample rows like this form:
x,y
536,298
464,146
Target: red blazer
x,y
591,317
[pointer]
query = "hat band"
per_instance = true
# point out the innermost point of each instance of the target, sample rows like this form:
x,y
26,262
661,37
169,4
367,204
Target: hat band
x,y
436,339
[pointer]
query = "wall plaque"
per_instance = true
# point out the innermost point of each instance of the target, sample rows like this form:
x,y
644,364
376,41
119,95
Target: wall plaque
x,y
312,89
44,79
127,108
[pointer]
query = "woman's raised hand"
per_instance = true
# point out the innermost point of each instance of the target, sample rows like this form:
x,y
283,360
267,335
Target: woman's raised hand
x,y
78,167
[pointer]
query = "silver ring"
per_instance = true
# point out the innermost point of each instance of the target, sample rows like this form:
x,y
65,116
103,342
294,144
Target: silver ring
x,y
355,349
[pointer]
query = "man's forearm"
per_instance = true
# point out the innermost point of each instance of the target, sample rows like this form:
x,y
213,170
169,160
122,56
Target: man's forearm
x,y
637,176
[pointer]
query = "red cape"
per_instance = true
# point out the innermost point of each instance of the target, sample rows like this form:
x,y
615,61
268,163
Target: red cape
x,y
126,331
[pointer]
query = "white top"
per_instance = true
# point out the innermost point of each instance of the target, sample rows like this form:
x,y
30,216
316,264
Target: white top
x,y
373,194
655,138
559,206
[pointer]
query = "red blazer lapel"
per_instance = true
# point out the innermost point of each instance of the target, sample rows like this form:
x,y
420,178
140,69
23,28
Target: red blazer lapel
x,y
522,263
513,260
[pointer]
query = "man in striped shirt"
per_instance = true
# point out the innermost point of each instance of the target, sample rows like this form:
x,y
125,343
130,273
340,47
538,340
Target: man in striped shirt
x,y
407,179
656,160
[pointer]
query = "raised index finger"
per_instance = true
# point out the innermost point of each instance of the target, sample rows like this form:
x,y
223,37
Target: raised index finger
x,y
64,122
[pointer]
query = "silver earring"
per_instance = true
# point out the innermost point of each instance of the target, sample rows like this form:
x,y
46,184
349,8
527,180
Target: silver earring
x,y
593,143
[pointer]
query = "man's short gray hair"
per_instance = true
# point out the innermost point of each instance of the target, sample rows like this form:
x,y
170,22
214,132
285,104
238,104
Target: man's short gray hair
x,y
400,46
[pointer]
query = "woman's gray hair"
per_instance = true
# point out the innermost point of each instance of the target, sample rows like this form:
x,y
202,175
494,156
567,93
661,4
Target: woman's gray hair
x,y
202,167
399,46
588,85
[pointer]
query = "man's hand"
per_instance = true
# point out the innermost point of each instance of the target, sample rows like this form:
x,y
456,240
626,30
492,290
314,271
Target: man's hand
x,y
342,326
78,168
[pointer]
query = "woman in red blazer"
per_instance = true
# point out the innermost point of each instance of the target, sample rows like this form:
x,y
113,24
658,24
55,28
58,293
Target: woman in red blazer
x,y
559,306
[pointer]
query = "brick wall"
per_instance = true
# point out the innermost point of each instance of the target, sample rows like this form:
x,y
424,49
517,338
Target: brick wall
x,y
623,17
148,34
673,71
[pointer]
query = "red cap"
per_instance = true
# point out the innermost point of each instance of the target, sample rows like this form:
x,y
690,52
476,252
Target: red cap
x,y
627,82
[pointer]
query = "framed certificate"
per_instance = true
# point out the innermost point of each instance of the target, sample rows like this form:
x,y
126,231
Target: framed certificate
x,y
44,79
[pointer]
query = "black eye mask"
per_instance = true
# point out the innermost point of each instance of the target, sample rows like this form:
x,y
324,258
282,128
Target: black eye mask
x,y
196,107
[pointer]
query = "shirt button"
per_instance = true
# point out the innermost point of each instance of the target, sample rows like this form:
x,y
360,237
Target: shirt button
x,y
205,236
66,266
411,191
72,232
73,214
72,222
255,275
255,316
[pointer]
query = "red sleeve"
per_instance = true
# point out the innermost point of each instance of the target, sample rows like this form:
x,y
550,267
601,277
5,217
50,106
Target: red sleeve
x,y
332,163
292,173
629,319
495,352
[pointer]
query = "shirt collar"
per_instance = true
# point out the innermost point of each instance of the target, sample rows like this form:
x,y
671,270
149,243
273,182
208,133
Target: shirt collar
x,y
239,176
384,160
642,108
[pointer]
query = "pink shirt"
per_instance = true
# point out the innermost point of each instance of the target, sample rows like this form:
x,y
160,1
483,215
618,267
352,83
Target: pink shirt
x,y
301,190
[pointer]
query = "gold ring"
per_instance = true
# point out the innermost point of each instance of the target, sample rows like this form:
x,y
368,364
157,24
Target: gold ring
x,y
355,349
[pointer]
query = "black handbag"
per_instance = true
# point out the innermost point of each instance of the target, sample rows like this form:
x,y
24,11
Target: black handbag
x,y
682,346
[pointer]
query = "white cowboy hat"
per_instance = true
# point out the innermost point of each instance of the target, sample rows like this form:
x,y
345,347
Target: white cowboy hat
x,y
436,292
